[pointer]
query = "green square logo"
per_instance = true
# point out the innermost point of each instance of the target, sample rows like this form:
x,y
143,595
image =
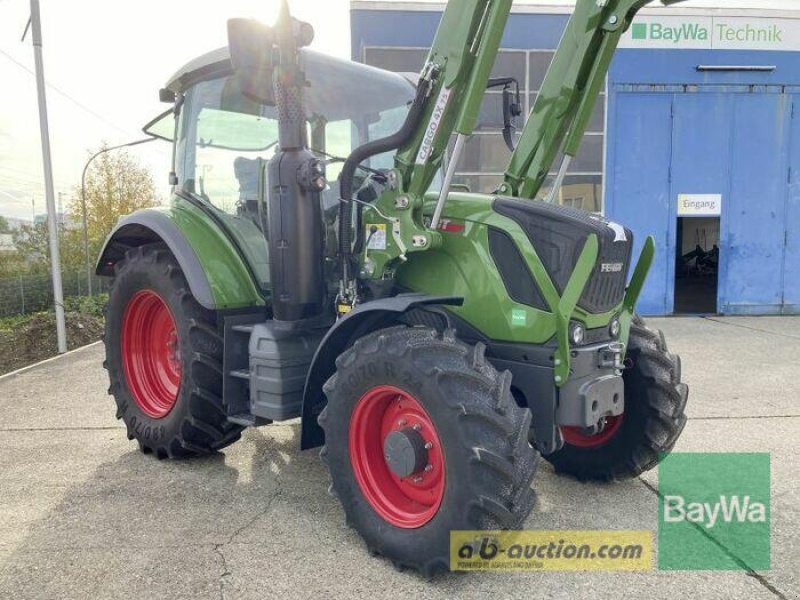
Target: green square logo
x,y
714,512
639,31
519,317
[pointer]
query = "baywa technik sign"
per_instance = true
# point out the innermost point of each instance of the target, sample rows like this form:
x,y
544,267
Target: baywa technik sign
x,y
713,33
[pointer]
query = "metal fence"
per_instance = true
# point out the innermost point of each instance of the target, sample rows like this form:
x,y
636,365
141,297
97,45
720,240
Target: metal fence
x,y
25,294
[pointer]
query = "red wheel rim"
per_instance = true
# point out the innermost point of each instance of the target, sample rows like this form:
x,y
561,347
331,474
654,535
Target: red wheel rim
x,y
150,354
408,502
576,436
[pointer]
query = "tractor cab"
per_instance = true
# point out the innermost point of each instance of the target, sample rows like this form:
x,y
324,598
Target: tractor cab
x,y
224,137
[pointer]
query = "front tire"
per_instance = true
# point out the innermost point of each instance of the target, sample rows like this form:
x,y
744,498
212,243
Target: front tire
x,y
654,417
472,468
164,359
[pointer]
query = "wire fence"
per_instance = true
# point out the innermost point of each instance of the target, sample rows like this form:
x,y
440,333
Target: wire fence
x,y
26,294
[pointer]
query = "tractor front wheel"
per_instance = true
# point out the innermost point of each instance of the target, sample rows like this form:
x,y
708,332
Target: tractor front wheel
x,y
164,359
423,438
634,442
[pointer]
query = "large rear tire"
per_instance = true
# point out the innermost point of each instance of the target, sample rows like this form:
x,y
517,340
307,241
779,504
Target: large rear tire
x,y
164,359
654,417
404,388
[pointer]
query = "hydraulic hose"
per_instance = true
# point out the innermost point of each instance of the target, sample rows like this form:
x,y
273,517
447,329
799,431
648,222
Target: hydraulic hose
x,y
359,155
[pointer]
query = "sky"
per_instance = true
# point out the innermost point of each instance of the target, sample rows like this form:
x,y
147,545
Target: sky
x,y
105,61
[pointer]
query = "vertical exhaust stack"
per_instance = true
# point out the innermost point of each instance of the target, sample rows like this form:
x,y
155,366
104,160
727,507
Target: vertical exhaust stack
x,y
269,69
295,180
268,65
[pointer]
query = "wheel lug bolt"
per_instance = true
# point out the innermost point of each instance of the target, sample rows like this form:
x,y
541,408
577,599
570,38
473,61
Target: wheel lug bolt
x,y
428,468
417,426
428,445
401,422
417,479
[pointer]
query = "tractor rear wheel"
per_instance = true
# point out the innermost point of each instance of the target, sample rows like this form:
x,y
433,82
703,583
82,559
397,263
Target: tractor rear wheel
x,y
422,438
164,359
634,442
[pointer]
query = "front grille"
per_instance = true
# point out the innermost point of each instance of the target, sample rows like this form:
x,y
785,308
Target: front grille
x,y
604,291
558,234
595,336
516,276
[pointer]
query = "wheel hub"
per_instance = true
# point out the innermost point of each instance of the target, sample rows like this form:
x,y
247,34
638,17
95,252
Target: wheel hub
x,y
405,452
151,354
593,436
396,456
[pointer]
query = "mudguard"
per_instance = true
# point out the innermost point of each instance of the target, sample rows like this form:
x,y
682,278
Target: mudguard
x,y
362,320
217,275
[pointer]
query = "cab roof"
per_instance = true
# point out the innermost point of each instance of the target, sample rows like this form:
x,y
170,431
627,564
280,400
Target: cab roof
x,y
335,84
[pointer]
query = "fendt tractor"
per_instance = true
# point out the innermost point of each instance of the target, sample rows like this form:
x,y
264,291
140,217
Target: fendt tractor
x,y
317,261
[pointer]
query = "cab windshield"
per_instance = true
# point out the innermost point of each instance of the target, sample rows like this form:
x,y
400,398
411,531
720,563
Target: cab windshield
x,y
224,140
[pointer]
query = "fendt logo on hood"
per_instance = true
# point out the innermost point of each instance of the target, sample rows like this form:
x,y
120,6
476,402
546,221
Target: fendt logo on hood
x,y
611,267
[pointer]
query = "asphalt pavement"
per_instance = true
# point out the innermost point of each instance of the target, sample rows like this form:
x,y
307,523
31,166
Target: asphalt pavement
x,y
84,515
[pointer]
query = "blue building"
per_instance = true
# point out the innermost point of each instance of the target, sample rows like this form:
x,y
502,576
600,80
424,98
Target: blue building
x,y
696,138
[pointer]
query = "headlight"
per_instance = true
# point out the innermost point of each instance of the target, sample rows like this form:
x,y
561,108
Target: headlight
x,y
577,333
614,327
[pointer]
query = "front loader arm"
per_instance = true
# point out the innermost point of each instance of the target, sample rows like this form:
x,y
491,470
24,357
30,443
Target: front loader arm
x,y
458,68
569,92
451,88
454,80
460,61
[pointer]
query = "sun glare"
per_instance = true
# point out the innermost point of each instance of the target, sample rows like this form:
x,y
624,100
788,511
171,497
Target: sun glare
x,y
266,11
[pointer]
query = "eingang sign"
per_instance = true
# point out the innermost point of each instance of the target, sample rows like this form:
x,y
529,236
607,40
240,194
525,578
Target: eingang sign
x,y
699,205
712,33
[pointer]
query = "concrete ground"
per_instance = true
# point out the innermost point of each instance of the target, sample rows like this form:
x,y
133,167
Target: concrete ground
x,y
84,515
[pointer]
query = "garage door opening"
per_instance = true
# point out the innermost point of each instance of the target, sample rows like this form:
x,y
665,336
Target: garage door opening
x,y
697,265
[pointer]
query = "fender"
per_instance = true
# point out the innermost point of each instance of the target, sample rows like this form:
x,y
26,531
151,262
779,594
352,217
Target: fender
x,y
363,319
217,275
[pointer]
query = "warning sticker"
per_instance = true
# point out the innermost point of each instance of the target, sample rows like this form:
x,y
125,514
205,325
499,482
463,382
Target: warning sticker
x,y
376,236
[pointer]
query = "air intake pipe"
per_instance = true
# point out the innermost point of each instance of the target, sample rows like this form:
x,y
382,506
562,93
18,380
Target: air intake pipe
x,y
359,155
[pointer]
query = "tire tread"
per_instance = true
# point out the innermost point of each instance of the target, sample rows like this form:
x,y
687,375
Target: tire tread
x,y
204,428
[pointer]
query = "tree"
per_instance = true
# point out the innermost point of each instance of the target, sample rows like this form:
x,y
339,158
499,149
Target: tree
x,y
4,227
32,243
116,185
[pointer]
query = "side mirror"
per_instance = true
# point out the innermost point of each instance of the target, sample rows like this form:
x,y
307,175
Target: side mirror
x,y
257,50
252,47
512,106
165,95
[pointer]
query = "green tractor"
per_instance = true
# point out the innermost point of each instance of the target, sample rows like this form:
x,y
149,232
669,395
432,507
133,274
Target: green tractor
x,y
436,343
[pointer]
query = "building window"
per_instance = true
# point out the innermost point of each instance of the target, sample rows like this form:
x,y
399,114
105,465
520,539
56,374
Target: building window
x,y
486,155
